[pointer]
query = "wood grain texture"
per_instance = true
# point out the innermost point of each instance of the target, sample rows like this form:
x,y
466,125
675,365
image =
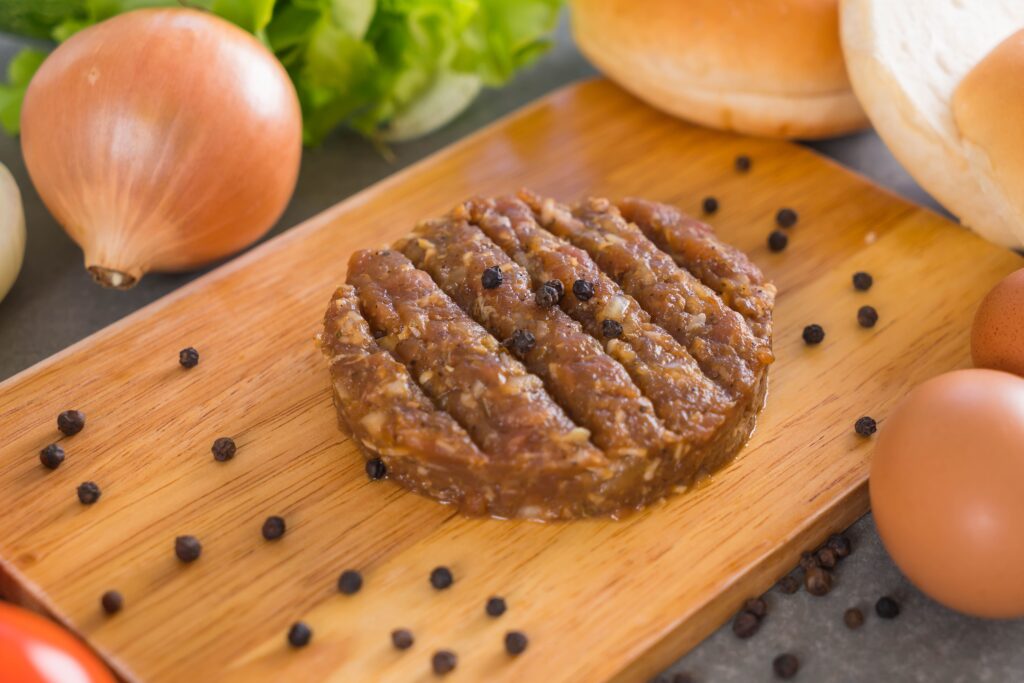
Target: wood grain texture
x,y
600,600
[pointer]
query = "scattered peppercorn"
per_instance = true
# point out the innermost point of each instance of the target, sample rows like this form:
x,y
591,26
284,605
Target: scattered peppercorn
x,y
853,618
862,281
444,662
840,545
818,581
611,328
583,290
808,561
865,426
188,358
742,163
112,602
495,606
887,608
814,334
559,287
187,548
789,584
826,558
223,449
376,469
785,666
299,635
441,578
786,218
756,606
777,240
70,422
402,638
491,277
516,642
350,582
273,528
547,296
88,493
710,205
51,456
521,342
867,316
745,624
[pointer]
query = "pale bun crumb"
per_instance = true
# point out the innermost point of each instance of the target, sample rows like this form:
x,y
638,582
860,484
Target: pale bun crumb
x,y
763,67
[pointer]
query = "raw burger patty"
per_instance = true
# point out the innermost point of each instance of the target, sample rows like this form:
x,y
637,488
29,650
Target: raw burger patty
x,y
522,358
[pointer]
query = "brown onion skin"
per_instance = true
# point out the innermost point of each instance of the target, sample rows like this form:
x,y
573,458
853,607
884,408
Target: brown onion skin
x,y
162,140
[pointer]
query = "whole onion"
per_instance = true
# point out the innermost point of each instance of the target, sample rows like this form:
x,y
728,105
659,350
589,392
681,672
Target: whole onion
x,y
161,139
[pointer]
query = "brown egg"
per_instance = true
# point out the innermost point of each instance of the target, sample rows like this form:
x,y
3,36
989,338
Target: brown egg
x,y
997,336
947,490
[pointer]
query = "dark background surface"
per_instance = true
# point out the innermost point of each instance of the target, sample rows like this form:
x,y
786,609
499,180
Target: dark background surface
x,y
54,304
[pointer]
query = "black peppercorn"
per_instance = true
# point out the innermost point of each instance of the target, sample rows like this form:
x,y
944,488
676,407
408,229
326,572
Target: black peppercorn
x,y
611,328
756,606
710,205
745,624
516,642
786,666
187,548
808,561
818,581
547,296
188,358
491,277
840,545
376,469
112,602
789,584
786,218
862,281
70,422
865,426
88,493
558,286
887,608
299,635
520,343
441,578
777,240
495,606
742,163
867,316
51,456
273,528
223,449
853,618
350,582
813,334
583,290
444,662
826,558
402,638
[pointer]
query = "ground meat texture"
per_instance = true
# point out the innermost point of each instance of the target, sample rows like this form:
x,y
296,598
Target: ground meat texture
x,y
387,414
715,335
694,246
536,462
689,403
592,388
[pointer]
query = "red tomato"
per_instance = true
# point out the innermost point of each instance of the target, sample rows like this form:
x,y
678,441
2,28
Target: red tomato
x,y
34,649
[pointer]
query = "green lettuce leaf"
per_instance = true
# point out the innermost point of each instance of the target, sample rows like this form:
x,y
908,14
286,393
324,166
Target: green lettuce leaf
x,y
389,69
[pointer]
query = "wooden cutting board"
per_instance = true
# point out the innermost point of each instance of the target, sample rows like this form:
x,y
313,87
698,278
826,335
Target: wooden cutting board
x,y
599,600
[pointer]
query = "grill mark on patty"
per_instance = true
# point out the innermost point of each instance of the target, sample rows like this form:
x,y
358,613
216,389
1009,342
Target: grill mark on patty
x,y
715,335
591,387
458,364
687,401
694,246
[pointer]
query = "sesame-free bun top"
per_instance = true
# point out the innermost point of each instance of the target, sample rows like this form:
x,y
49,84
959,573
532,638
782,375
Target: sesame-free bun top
x,y
763,67
944,91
